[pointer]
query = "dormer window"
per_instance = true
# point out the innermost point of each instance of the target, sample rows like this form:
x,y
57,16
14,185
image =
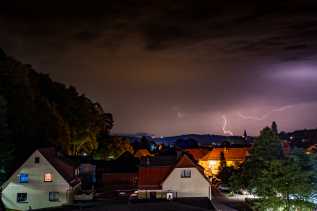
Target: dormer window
x,y
23,178
186,173
48,177
37,160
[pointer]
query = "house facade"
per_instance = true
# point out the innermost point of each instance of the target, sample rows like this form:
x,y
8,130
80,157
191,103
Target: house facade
x,y
187,180
182,179
43,180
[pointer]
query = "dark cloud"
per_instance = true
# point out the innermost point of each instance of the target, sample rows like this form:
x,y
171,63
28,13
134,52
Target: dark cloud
x,y
168,66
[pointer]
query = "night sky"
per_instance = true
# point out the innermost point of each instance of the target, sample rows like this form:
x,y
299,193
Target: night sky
x,y
170,67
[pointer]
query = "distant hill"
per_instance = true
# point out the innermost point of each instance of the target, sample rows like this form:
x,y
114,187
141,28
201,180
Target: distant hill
x,y
301,138
201,139
204,139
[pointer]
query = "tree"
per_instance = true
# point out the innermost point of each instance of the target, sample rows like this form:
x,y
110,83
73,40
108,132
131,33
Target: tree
x,y
279,181
267,147
6,147
286,183
48,113
111,147
223,163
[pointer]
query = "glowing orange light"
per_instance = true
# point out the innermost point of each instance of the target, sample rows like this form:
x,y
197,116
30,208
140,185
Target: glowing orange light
x,y
48,177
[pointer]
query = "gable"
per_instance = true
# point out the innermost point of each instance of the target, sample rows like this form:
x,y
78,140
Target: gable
x,y
36,171
196,177
186,163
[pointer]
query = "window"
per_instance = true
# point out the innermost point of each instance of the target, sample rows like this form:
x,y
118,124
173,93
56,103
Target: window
x,y
186,173
23,178
53,196
22,197
37,160
48,177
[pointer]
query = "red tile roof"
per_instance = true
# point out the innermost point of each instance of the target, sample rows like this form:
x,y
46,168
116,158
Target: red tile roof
x,y
185,162
151,177
229,153
197,153
66,169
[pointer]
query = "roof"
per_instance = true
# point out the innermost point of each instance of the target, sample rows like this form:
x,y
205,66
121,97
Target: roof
x,y
312,149
197,153
186,162
154,170
142,153
151,177
161,160
229,153
61,164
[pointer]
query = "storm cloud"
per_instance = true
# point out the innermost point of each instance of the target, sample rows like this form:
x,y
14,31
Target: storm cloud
x,y
170,67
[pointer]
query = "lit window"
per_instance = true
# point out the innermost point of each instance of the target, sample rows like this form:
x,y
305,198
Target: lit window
x,y
53,196
186,173
22,197
23,178
37,160
48,177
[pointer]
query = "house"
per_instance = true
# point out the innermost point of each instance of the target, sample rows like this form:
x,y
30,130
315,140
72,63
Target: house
x,y
142,153
187,180
119,174
45,179
311,149
162,178
153,170
233,157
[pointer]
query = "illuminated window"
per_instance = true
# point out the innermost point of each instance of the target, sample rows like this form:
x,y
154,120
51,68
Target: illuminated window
x,y
23,178
22,197
48,177
186,173
37,160
53,196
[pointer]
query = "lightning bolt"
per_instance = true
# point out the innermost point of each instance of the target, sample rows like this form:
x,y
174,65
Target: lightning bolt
x,y
265,115
224,127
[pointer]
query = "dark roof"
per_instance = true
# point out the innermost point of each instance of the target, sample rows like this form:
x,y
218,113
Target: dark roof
x,y
151,177
63,165
161,160
153,173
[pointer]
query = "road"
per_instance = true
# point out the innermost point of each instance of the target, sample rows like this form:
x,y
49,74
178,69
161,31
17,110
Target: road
x,y
222,203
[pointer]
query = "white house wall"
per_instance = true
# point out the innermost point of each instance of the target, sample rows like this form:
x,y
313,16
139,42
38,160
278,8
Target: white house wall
x,y
37,190
195,186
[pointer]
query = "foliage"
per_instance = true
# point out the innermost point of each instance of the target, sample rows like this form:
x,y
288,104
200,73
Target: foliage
x,y
42,112
285,183
112,147
279,181
6,148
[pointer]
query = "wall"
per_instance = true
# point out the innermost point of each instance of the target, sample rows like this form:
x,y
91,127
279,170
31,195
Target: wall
x,y
195,186
37,190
